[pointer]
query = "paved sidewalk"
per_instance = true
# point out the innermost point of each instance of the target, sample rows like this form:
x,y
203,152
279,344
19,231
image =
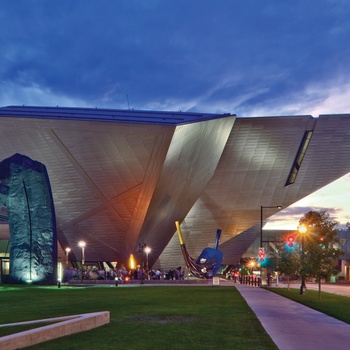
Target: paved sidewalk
x,y
294,326
340,289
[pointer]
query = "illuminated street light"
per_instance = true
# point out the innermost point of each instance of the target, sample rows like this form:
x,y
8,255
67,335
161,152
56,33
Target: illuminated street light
x,y
147,251
302,230
82,245
67,254
251,265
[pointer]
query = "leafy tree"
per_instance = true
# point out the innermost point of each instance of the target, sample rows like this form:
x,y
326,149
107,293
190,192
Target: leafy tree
x,y
320,253
286,261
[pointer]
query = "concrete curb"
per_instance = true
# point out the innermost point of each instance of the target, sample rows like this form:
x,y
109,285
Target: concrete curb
x,y
63,326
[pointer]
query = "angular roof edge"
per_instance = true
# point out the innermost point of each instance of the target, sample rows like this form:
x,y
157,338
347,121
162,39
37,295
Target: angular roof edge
x,y
129,116
280,116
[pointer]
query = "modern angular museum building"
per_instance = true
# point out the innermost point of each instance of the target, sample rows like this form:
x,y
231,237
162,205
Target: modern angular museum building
x,y
119,179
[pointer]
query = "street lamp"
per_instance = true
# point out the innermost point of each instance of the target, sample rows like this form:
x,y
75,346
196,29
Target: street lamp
x,y
302,230
251,264
67,254
261,248
142,247
147,251
82,245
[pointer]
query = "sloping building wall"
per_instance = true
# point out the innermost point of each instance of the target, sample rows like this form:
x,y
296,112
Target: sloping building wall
x,y
190,163
253,172
118,182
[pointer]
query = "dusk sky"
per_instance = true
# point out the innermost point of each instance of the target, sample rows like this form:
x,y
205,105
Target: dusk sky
x,y
250,58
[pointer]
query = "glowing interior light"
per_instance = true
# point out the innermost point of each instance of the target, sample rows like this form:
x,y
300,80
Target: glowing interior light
x,y
131,261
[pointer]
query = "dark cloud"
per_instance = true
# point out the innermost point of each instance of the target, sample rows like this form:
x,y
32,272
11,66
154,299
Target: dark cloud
x,y
199,54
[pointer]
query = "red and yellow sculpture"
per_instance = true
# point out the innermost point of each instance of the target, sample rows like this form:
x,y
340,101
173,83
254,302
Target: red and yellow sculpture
x,y
208,262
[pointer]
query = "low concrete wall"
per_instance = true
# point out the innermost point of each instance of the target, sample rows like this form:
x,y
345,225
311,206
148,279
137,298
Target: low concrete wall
x,y
63,326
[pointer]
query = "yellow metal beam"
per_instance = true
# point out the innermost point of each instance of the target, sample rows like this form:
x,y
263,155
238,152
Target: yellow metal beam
x,y
179,232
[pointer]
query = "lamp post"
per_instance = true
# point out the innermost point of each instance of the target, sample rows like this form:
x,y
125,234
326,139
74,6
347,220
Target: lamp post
x,y
302,230
82,245
261,248
251,265
67,254
142,247
147,251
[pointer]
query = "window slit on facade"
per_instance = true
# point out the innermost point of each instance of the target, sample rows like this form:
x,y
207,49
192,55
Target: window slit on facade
x,y
299,158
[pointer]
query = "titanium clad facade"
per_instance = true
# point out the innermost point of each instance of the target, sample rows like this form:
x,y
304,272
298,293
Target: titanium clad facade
x,y
120,178
253,172
117,183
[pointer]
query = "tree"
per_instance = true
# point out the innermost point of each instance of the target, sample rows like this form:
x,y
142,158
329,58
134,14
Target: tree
x,y
286,260
320,254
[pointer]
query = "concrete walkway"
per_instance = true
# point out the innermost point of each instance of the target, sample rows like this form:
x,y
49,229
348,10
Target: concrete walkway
x,y
293,326
340,289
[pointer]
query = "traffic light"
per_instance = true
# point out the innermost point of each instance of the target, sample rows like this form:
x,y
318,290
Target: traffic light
x,y
261,255
290,241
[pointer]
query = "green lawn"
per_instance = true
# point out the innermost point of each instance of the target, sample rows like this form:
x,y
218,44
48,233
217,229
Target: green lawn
x,y
337,306
142,317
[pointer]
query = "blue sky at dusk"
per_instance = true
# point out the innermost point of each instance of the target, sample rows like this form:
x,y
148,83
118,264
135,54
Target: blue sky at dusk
x,y
251,58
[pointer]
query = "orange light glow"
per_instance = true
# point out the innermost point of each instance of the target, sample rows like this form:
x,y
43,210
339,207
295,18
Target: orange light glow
x,y
131,262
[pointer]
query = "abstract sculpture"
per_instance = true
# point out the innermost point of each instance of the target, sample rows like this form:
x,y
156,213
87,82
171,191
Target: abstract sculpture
x,y
208,262
26,192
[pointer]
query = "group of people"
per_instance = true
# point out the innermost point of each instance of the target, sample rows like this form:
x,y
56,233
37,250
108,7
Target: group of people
x,y
122,274
175,274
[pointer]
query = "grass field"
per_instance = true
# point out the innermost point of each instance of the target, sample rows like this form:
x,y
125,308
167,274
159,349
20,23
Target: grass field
x,y
337,306
142,317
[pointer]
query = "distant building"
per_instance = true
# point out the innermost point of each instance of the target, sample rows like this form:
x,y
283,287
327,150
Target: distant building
x,y
344,244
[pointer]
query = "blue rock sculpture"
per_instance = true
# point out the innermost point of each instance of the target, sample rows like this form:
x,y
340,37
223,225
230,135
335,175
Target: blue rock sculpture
x,y
26,191
209,261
